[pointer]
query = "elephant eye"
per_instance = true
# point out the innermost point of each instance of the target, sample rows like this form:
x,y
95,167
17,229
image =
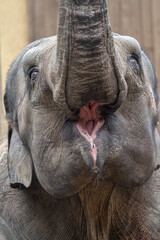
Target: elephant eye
x,y
33,73
134,62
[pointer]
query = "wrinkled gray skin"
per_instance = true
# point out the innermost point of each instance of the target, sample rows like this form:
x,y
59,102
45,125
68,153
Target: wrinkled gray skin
x,y
81,184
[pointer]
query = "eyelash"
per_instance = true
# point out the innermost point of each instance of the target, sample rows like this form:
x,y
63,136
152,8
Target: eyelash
x,y
31,70
134,61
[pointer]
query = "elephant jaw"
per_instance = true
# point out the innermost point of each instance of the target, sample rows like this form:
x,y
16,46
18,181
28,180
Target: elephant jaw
x,y
90,121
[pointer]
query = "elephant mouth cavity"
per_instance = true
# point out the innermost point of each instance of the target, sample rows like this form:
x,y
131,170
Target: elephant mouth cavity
x,y
90,121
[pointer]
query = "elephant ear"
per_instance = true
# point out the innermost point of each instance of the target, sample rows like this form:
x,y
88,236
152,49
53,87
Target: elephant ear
x,y
157,137
19,161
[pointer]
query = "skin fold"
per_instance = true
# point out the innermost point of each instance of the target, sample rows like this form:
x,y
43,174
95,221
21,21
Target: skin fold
x,y
82,155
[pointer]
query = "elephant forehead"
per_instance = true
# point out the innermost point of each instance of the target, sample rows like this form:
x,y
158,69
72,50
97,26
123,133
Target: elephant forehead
x,y
35,54
128,43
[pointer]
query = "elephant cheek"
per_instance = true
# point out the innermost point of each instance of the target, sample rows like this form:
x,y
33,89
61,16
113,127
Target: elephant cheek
x,y
62,176
131,171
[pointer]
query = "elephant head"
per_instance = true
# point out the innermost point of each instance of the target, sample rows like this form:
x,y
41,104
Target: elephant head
x,y
82,106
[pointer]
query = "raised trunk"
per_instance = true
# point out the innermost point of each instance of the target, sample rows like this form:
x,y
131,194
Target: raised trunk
x,y
87,64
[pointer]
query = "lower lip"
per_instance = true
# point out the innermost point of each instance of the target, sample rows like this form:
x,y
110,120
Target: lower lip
x,y
91,136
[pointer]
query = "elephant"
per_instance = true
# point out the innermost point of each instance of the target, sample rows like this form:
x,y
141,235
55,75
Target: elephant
x,y
81,160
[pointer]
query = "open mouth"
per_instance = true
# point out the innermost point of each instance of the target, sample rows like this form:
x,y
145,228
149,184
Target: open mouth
x,y
90,121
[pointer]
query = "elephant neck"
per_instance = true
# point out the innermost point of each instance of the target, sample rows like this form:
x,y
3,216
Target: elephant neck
x,y
107,211
91,209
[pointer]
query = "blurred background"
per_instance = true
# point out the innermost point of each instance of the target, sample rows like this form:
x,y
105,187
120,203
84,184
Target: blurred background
x,y
24,21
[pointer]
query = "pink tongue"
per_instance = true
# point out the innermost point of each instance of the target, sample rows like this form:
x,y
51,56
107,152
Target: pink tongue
x,y
90,126
90,121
